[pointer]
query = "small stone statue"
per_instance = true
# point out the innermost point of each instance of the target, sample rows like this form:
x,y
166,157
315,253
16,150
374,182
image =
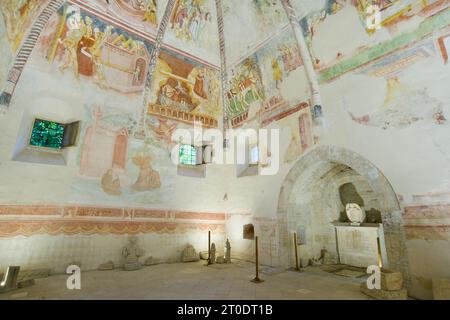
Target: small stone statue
x,y
220,260
189,254
212,258
228,252
131,252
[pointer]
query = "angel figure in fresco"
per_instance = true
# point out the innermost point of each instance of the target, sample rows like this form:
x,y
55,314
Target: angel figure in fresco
x,y
70,43
148,177
277,73
187,19
84,48
200,86
96,50
151,12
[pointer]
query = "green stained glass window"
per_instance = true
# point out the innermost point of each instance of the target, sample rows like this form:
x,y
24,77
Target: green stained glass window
x,y
47,134
188,155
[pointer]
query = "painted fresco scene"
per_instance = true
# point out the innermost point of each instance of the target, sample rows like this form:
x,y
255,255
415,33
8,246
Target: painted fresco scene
x,y
346,180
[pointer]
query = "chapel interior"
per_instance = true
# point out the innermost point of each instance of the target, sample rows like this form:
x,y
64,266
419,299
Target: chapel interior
x,y
225,149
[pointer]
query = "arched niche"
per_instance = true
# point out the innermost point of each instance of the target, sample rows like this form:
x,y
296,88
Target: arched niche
x,y
316,164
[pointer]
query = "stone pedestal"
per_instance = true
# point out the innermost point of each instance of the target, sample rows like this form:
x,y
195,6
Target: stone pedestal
x,y
441,289
381,294
391,281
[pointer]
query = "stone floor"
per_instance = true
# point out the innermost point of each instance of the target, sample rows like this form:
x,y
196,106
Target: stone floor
x,y
194,281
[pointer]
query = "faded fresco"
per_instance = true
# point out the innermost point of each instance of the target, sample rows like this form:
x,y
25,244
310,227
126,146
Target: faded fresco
x,y
264,76
193,28
85,46
115,166
268,87
18,16
124,147
393,31
400,50
5,53
248,23
405,103
143,15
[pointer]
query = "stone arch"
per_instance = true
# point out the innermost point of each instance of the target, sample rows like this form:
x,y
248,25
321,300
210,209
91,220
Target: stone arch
x,y
317,162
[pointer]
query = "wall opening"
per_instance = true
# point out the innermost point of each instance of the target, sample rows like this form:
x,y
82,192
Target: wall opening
x,y
311,199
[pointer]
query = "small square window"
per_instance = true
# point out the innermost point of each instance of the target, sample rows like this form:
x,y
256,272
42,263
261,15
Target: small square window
x,y
47,134
188,155
254,155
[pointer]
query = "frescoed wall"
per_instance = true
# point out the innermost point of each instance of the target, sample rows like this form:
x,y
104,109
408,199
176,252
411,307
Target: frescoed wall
x,y
385,98
193,27
5,52
84,45
387,89
248,23
18,17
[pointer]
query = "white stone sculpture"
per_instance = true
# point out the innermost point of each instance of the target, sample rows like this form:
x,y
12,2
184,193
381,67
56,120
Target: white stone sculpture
x,y
355,213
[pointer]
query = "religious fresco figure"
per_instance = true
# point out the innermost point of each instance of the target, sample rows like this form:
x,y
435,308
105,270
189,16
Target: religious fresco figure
x,y
111,183
149,178
151,12
112,58
188,18
277,73
84,48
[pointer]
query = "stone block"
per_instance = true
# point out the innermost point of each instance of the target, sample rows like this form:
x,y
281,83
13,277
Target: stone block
x,y
441,289
26,283
34,274
106,266
220,260
204,255
391,281
380,294
151,261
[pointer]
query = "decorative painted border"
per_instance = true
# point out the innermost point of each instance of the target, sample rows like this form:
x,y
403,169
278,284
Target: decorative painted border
x,y
29,228
28,220
223,63
427,232
426,212
427,222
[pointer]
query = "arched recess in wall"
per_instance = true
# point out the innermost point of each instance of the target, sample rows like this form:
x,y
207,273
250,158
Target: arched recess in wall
x,y
314,165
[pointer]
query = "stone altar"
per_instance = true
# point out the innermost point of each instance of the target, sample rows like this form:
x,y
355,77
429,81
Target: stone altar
x,y
357,245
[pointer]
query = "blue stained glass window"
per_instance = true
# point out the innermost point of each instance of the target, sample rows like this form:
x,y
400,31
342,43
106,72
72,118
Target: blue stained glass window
x,y
47,134
188,155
